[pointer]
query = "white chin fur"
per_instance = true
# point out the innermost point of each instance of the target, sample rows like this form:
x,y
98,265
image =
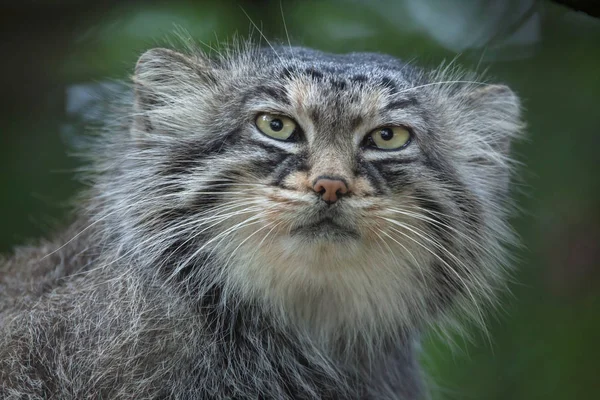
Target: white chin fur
x,y
329,286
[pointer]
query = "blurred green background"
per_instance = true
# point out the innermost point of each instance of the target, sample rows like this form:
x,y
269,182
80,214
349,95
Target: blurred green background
x,y
545,341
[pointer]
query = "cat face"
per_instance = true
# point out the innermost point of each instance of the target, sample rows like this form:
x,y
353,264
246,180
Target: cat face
x,y
336,187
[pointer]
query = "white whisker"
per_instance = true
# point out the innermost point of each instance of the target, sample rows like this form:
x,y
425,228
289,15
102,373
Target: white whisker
x,y
464,284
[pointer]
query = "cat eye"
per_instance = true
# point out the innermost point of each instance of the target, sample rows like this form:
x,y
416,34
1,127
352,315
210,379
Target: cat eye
x,y
388,138
276,126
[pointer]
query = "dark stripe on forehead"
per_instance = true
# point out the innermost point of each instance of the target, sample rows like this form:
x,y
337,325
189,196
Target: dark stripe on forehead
x,y
400,104
315,115
359,78
288,72
355,122
277,94
389,84
338,84
314,74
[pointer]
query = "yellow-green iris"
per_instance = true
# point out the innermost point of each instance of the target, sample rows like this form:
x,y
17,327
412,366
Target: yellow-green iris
x,y
389,138
276,126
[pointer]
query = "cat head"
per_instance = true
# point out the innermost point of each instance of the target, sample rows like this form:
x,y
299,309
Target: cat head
x,y
349,192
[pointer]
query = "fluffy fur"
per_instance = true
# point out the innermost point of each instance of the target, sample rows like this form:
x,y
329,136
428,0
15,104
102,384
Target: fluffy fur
x,y
190,272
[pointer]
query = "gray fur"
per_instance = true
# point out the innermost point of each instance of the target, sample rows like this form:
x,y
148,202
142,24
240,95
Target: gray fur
x,y
185,276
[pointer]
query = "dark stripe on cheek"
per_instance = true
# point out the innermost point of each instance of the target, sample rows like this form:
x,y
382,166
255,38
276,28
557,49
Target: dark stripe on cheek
x,y
184,157
445,287
396,178
436,213
216,190
217,187
390,162
264,145
392,172
264,166
372,174
296,162
178,251
432,162
470,208
461,196
442,218
163,218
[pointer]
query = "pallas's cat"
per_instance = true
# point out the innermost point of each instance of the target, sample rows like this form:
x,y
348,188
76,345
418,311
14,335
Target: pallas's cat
x,y
268,223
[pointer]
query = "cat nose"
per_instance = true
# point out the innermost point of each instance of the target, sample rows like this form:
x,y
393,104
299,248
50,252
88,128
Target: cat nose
x,y
330,188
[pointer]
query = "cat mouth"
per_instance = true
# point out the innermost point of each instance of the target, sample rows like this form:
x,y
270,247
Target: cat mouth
x,y
325,229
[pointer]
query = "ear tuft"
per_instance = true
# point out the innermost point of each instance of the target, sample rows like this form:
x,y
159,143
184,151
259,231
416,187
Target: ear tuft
x,y
499,111
161,77
497,94
155,62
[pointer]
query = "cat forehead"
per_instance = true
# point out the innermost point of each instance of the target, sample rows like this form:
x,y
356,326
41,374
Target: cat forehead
x,y
356,68
333,61
305,76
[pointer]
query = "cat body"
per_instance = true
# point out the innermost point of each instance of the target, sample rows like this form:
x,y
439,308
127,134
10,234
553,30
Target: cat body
x,y
269,223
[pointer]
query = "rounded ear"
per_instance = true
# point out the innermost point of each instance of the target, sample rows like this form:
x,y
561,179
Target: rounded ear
x,y
500,95
161,77
497,113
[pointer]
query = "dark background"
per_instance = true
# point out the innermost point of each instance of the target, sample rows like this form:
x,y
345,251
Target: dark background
x,y
544,341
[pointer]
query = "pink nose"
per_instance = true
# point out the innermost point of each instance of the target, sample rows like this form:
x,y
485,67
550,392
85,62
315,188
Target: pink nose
x,y
330,189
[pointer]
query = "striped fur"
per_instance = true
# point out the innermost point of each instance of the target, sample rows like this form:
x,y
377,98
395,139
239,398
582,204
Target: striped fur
x,y
191,272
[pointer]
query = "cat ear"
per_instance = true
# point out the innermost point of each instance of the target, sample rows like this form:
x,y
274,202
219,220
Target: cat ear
x,y
496,110
163,79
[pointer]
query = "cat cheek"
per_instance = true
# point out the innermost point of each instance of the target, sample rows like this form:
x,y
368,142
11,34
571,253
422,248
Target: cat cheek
x,y
362,187
298,180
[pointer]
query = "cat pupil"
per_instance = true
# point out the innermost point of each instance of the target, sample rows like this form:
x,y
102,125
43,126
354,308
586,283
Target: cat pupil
x,y
386,134
276,125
